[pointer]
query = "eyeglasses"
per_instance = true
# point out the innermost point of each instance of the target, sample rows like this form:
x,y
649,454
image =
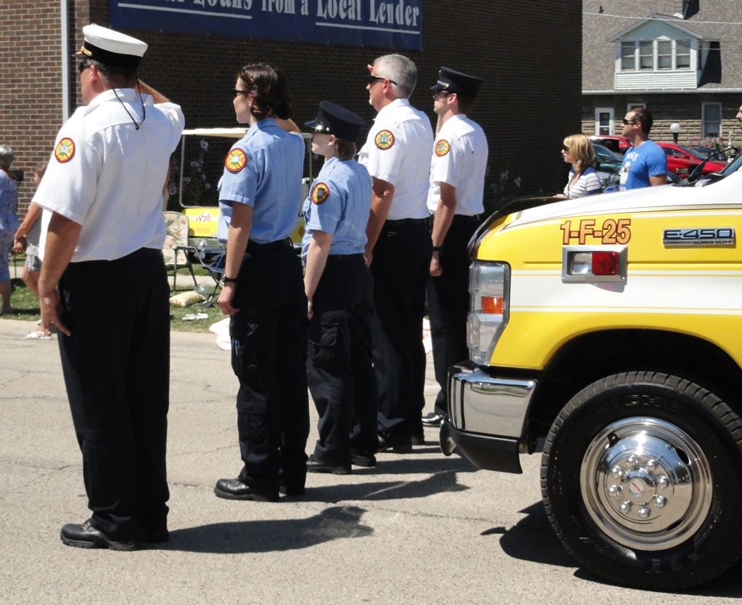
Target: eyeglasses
x,y
371,79
237,93
625,122
83,65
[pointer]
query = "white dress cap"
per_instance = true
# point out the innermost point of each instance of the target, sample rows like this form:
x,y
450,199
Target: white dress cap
x,y
111,47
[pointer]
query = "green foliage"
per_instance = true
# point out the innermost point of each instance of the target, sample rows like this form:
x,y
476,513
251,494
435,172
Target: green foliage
x,y
501,189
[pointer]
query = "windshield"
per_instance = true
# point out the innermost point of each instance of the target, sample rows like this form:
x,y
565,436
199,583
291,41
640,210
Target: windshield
x,y
696,153
733,166
606,155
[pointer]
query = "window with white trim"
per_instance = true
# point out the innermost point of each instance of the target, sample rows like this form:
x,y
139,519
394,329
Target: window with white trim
x,y
711,120
661,54
604,120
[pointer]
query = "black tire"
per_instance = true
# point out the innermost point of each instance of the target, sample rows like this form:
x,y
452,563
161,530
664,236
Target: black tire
x,y
668,517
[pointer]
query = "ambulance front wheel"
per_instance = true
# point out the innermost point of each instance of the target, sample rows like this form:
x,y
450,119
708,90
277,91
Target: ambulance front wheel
x,y
641,477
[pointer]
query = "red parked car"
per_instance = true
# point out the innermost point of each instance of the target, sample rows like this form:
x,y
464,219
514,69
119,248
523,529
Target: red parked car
x,y
615,142
682,160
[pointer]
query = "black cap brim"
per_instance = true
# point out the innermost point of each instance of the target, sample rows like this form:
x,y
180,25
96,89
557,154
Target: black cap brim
x,y
318,126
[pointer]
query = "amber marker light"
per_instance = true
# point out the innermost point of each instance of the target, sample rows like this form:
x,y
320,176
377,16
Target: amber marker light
x,y
492,305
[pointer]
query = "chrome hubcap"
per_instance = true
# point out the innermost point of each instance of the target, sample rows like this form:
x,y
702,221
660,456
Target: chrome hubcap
x,y
646,483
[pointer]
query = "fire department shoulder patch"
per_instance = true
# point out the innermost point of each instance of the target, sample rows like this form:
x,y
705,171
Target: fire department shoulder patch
x,y
235,160
320,192
384,139
65,150
442,147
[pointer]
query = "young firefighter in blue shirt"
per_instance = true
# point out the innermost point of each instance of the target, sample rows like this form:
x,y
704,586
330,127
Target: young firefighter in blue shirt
x,y
339,291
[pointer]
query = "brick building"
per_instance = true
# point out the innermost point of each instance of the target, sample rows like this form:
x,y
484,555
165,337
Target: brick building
x,y
530,99
679,58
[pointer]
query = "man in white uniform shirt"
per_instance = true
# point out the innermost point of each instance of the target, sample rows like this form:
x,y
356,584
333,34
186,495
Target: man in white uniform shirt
x,y
455,200
397,156
103,285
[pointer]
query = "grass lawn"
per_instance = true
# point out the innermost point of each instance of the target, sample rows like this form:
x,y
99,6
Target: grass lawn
x,y
26,307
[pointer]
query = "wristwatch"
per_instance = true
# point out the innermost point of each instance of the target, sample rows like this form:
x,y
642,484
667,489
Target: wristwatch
x,y
230,280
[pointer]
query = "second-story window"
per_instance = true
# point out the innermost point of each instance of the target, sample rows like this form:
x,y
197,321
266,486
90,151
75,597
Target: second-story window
x,y
655,55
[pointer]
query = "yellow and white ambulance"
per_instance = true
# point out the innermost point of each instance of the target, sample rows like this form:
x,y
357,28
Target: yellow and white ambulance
x,y
608,330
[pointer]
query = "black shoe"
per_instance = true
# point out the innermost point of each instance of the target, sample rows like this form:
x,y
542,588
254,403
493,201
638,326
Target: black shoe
x,y
433,419
87,536
418,438
291,490
358,459
234,489
317,466
398,445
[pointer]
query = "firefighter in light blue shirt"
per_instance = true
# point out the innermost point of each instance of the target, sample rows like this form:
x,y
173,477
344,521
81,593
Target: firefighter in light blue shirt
x,y
339,291
263,292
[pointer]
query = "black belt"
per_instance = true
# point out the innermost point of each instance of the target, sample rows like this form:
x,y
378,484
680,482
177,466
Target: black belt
x,y
137,254
403,222
253,246
337,259
143,253
462,219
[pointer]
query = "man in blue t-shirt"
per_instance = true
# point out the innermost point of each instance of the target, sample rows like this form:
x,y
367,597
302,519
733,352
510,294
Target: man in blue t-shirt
x,y
644,163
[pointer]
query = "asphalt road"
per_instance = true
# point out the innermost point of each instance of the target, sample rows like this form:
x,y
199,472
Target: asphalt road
x,y
419,528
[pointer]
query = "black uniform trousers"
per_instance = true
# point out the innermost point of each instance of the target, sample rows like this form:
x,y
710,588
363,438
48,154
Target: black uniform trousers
x,y
448,303
269,347
400,267
116,366
340,364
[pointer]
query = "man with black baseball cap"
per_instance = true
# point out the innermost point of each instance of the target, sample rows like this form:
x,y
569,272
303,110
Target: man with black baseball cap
x,y
455,199
103,284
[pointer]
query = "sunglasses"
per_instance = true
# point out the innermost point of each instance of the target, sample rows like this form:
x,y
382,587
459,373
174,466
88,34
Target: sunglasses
x,y
565,148
625,121
83,65
237,93
371,79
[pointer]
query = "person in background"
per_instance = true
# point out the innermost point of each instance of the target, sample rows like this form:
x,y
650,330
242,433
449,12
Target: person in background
x,y
8,222
339,291
263,293
27,238
644,163
397,156
101,249
583,178
456,202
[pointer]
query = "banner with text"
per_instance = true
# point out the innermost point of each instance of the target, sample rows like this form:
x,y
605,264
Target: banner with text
x,y
393,24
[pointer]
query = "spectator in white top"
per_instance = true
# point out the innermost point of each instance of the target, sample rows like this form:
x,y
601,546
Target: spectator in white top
x,y
583,178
